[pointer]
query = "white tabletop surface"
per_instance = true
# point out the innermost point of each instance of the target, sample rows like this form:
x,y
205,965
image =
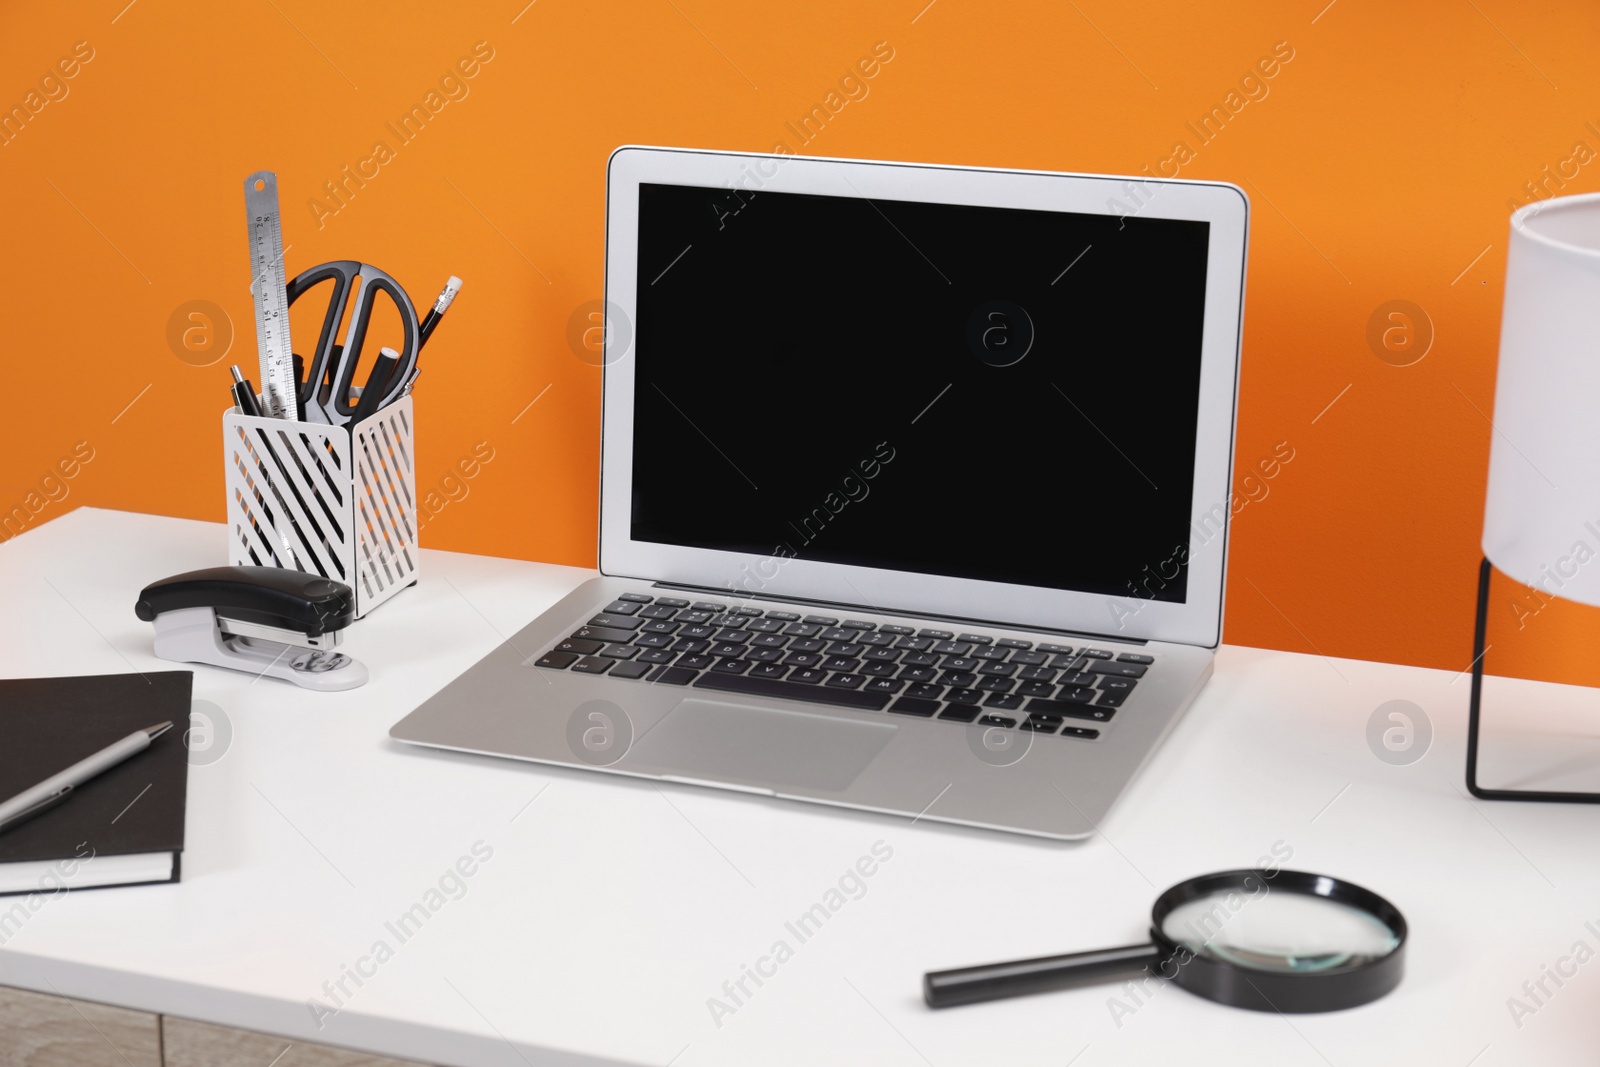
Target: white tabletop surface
x,y
612,910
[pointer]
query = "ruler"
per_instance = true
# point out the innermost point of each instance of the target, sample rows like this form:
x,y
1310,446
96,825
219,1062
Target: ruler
x,y
267,284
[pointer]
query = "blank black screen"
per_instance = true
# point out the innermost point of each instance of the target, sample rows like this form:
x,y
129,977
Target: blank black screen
x,y
820,377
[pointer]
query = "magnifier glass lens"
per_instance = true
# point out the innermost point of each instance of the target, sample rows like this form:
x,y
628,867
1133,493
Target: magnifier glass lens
x,y
1278,930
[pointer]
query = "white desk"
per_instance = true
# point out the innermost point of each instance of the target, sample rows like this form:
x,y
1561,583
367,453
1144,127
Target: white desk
x,y
611,909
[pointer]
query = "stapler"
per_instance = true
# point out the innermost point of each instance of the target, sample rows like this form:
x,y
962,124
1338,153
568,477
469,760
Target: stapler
x,y
261,620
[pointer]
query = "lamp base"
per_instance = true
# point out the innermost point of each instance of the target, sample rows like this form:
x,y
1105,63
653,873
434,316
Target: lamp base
x,y
1482,793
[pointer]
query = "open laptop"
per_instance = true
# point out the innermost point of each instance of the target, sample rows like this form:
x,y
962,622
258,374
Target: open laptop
x,y
914,496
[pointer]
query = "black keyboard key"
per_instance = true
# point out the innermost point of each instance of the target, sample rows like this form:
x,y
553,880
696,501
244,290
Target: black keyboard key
x,y
976,639
620,652
636,598
672,602
963,696
807,644
1120,670
821,620
732,622
848,698
697,617
1004,670
657,611
837,633
960,663
1059,649
1070,710
614,622
1013,642
559,661
684,644
960,712
1046,716
1040,726
697,630
802,629
731,666
843,648
657,655
1066,663
727,648
749,613
593,665
697,661
809,675
883,685
672,675
1080,731
996,685
992,654
1111,699
841,663
715,609
630,670
729,634
581,647
1028,659
661,626
768,670
783,616
764,626
802,659
857,624
917,674
601,633
1135,657
653,640
877,640
1076,694
1003,701
769,641
846,680
1095,653
764,655
1037,689
898,631
952,648
997,720
622,607
1036,674
881,655
912,706
918,659
925,692
937,635
1076,679
961,678
915,644
1120,684
875,669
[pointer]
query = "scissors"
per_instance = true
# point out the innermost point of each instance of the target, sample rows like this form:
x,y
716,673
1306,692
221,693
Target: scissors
x,y
328,392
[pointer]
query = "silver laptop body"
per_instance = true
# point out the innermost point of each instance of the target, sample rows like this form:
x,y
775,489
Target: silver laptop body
x,y
915,490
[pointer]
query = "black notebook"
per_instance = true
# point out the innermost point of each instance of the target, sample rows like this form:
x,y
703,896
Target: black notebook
x,y
124,827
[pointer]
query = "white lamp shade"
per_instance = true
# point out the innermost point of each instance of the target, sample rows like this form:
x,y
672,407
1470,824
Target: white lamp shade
x,y
1541,524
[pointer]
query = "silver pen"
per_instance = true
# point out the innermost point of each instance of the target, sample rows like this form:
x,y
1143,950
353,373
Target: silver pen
x,y
58,787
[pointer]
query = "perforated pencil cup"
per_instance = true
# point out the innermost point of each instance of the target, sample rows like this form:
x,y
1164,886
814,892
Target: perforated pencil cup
x,y
330,500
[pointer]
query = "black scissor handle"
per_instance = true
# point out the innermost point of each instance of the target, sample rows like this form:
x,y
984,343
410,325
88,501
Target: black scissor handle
x,y
330,361
344,273
373,279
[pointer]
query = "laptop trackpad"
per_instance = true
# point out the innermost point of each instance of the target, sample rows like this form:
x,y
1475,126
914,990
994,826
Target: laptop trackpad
x,y
704,739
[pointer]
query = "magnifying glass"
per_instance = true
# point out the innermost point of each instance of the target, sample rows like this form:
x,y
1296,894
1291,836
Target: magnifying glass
x,y
1283,941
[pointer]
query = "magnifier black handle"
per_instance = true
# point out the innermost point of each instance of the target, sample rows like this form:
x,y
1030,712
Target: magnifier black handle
x,y
991,981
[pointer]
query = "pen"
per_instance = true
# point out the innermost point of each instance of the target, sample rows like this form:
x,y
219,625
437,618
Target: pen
x,y
244,394
59,787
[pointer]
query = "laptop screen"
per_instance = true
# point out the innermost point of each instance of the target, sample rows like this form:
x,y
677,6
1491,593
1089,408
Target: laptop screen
x,y
986,393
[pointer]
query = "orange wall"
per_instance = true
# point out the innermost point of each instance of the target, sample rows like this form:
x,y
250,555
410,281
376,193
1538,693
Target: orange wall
x,y
1380,163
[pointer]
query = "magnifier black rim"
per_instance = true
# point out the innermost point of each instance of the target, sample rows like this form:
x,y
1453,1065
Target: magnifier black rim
x,y
1283,991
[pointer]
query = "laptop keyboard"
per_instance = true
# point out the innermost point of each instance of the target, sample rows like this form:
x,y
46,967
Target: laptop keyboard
x,y
1010,682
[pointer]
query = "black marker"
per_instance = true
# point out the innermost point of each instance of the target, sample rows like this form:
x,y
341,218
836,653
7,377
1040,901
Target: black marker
x,y
244,394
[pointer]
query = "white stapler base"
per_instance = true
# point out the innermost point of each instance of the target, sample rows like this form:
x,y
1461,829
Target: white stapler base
x,y
195,635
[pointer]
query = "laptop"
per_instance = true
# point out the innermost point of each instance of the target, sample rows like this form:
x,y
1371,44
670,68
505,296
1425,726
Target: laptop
x,y
915,487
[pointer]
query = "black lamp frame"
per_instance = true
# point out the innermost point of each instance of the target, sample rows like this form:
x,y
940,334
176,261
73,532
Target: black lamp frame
x,y
1548,796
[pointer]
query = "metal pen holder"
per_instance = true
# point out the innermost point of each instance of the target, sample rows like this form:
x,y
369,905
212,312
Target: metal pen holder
x,y
330,500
